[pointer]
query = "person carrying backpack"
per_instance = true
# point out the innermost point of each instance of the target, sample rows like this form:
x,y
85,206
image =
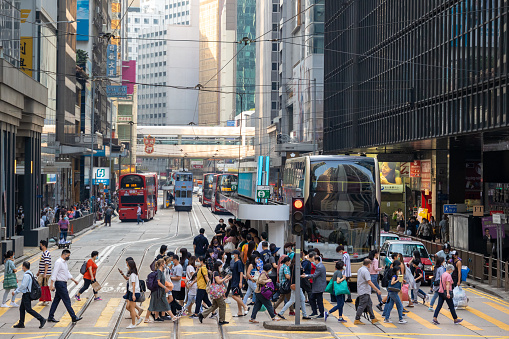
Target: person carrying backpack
x,y
107,215
26,287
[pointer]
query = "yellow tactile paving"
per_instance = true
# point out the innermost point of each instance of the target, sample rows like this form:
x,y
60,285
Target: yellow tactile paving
x,y
108,312
66,319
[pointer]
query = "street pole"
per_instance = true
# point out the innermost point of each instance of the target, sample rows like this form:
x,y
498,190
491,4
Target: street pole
x,y
240,133
297,281
92,133
131,123
111,169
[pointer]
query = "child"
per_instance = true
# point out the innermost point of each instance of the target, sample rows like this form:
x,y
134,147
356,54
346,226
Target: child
x,y
419,277
340,298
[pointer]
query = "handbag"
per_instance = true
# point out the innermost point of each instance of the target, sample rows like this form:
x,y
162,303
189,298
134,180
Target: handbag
x,y
284,288
142,297
96,286
229,247
444,294
183,282
404,289
45,294
330,287
341,288
394,288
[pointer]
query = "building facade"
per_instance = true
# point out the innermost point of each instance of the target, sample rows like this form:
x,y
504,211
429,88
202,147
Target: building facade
x,y
440,103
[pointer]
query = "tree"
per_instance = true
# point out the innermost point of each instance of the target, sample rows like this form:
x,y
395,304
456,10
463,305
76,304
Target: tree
x,y
81,58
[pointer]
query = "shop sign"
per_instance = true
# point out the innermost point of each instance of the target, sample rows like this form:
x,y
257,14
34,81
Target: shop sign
x,y
422,213
390,177
425,175
478,211
263,192
149,144
415,168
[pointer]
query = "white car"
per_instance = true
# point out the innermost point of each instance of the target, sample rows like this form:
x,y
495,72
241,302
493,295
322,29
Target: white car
x,y
384,236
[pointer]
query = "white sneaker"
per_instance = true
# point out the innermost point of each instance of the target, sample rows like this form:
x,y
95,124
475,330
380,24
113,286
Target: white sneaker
x,y
13,304
227,301
131,326
387,321
5,306
402,321
139,321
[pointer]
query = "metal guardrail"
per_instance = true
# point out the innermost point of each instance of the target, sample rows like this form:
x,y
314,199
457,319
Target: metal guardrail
x,y
483,269
76,225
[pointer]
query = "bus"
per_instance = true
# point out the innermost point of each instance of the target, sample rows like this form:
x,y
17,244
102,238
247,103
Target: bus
x,y
134,190
224,184
183,191
208,182
342,204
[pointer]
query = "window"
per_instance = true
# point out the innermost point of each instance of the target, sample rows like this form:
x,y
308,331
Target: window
x,y
151,116
164,114
164,94
274,66
159,114
274,47
274,85
275,8
146,21
274,27
164,105
274,104
136,20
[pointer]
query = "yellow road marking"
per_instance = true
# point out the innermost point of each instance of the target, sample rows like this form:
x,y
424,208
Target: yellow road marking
x,y
379,317
107,313
487,296
422,321
348,324
66,319
37,309
486,317
498,307
228,315
463,323
4,310
186,321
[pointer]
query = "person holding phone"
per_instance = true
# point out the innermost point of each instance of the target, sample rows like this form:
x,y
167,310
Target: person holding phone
x,y
126,277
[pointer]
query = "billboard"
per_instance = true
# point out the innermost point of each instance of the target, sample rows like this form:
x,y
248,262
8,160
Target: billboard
x,y
82,16
129,75
111,61
390,177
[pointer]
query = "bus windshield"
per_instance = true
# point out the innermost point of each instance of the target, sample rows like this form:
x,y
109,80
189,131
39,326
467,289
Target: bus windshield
x,y
344,189
208,182
228,183
184,177
132,181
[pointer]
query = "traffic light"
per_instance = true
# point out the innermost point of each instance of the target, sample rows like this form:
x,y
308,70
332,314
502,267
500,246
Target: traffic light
x,y
297,216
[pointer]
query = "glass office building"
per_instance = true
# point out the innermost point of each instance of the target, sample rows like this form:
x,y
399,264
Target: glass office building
x,y
246,58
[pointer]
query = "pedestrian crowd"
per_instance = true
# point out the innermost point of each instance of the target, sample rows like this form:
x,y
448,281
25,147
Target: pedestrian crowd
x,y
239,262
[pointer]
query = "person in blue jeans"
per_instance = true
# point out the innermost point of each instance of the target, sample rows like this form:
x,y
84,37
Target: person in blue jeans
x,y
394,288
138,215
340,298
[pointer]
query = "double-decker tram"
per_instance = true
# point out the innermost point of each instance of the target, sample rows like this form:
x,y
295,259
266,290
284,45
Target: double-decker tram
x,y
224,185
208,183
138,190
183,191
341,198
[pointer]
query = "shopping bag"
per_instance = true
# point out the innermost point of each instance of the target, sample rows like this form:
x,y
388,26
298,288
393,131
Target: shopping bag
x,y
459,299
45,294
341,288
96,286
330,287
263,308
464,272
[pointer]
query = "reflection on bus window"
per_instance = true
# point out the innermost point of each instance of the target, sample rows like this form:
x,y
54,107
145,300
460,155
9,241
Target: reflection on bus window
x,y
326,236
132,181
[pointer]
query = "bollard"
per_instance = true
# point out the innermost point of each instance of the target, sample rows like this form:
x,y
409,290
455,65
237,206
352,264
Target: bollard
x,y
499,273
507,276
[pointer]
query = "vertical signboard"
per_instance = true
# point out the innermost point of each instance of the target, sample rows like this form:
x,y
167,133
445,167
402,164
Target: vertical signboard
x,y
415,169
426,175
83,18
129,75
116,18
27,31
111,61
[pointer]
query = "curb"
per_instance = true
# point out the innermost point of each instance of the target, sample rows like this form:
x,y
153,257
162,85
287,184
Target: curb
x,y
287,326
23,258
480,287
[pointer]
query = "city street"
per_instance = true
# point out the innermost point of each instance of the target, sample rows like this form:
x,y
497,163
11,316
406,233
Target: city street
x,y
486,316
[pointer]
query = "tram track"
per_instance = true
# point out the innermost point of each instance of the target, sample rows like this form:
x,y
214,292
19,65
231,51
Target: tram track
x,y
67,333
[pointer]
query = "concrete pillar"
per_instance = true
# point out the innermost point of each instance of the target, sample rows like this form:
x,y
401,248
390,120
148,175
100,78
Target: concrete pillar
x,y
277,234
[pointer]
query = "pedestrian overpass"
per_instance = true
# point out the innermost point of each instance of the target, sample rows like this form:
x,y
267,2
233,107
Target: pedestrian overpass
x,y
195,142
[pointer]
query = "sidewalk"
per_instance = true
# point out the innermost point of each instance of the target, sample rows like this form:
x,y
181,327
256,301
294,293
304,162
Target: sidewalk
x,y
498,292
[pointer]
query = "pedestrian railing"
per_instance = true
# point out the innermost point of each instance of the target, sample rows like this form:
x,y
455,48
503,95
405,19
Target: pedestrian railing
x,y
483,269
75,226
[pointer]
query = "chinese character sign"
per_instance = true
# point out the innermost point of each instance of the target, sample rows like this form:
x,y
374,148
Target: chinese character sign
x,y
149,144
111,61
26,55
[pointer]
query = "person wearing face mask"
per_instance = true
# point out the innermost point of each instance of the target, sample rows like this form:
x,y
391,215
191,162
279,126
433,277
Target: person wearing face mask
x,y
126,277
220,230
44,273
58,284
202,278
289,249
89,277
63,225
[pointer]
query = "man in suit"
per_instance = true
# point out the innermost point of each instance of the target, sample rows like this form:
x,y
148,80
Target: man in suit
x,y
317,288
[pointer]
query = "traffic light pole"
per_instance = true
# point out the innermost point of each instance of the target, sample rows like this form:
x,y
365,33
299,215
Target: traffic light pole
x,y
297,280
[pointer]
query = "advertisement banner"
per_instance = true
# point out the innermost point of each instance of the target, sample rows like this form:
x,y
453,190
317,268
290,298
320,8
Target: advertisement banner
x,y
83,18
488,224
116,91
426,175
129,75
473,180
390,177
415,169
247,185
26,58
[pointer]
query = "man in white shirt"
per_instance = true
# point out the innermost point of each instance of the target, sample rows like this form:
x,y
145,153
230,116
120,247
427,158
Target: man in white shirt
x,y
58,284
138,215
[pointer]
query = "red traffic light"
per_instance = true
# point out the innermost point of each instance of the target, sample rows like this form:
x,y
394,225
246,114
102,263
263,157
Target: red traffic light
x,y
298,203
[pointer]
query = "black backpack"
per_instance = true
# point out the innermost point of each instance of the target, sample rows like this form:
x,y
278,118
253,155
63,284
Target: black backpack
x,y
143,286
265,256
35,293
387,276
